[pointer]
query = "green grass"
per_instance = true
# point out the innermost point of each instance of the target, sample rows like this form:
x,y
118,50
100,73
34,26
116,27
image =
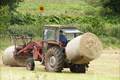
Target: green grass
x,y
58,7
108,25
109,42
5,42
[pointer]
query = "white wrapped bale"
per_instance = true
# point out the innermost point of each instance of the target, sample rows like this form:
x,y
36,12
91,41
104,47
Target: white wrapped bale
x,y
8,58
87,45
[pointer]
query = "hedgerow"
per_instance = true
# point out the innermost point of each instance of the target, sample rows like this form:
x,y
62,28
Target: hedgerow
x,y
94,24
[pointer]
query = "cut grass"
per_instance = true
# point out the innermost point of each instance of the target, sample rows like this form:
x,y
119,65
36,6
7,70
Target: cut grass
x,y
104,68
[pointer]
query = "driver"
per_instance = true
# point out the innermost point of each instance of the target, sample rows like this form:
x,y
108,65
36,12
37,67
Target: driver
x,y
62,38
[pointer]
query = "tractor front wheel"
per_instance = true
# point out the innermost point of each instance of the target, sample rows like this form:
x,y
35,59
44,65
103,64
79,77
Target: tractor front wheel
x,y
54,60
30,65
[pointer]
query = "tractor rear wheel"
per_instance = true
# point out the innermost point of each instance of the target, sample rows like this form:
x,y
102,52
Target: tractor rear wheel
x,y
78,68
30,65
54,60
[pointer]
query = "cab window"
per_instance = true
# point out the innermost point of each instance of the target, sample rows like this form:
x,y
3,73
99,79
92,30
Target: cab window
x,y
49,34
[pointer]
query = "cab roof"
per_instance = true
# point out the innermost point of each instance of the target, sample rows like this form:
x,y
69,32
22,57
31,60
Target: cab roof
x,y
60,26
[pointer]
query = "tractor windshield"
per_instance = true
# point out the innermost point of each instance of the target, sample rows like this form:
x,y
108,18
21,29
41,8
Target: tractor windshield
x,y
49,34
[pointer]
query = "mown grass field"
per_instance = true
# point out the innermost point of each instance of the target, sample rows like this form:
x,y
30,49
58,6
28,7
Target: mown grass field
x,y
107,67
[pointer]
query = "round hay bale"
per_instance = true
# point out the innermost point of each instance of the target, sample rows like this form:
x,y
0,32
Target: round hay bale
x,y
8,58
87,45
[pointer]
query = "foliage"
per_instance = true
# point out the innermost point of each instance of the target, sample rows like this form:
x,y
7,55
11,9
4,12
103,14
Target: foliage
x,y
20,31
115,32
27,25
21,19
111,19
7,7
11,3
110,41
95,3
96,26
5,17
113,5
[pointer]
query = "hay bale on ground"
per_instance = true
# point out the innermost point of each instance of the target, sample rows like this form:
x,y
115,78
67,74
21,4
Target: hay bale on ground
x,y
8,58
87,45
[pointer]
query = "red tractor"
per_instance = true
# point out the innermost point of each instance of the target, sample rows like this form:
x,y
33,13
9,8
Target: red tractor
x,y
50,52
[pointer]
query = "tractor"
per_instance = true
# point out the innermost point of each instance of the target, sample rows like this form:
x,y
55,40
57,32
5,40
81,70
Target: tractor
x,y
50,51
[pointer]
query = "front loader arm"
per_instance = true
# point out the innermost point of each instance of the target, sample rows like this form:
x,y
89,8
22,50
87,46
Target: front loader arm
x,y
31,44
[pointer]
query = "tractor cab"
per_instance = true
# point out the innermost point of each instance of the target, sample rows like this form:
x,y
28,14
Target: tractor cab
x,y
51,36
51,32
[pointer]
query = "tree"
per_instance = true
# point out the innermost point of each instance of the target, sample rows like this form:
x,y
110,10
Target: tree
x,y
7,7
113,5
11,3
4,20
